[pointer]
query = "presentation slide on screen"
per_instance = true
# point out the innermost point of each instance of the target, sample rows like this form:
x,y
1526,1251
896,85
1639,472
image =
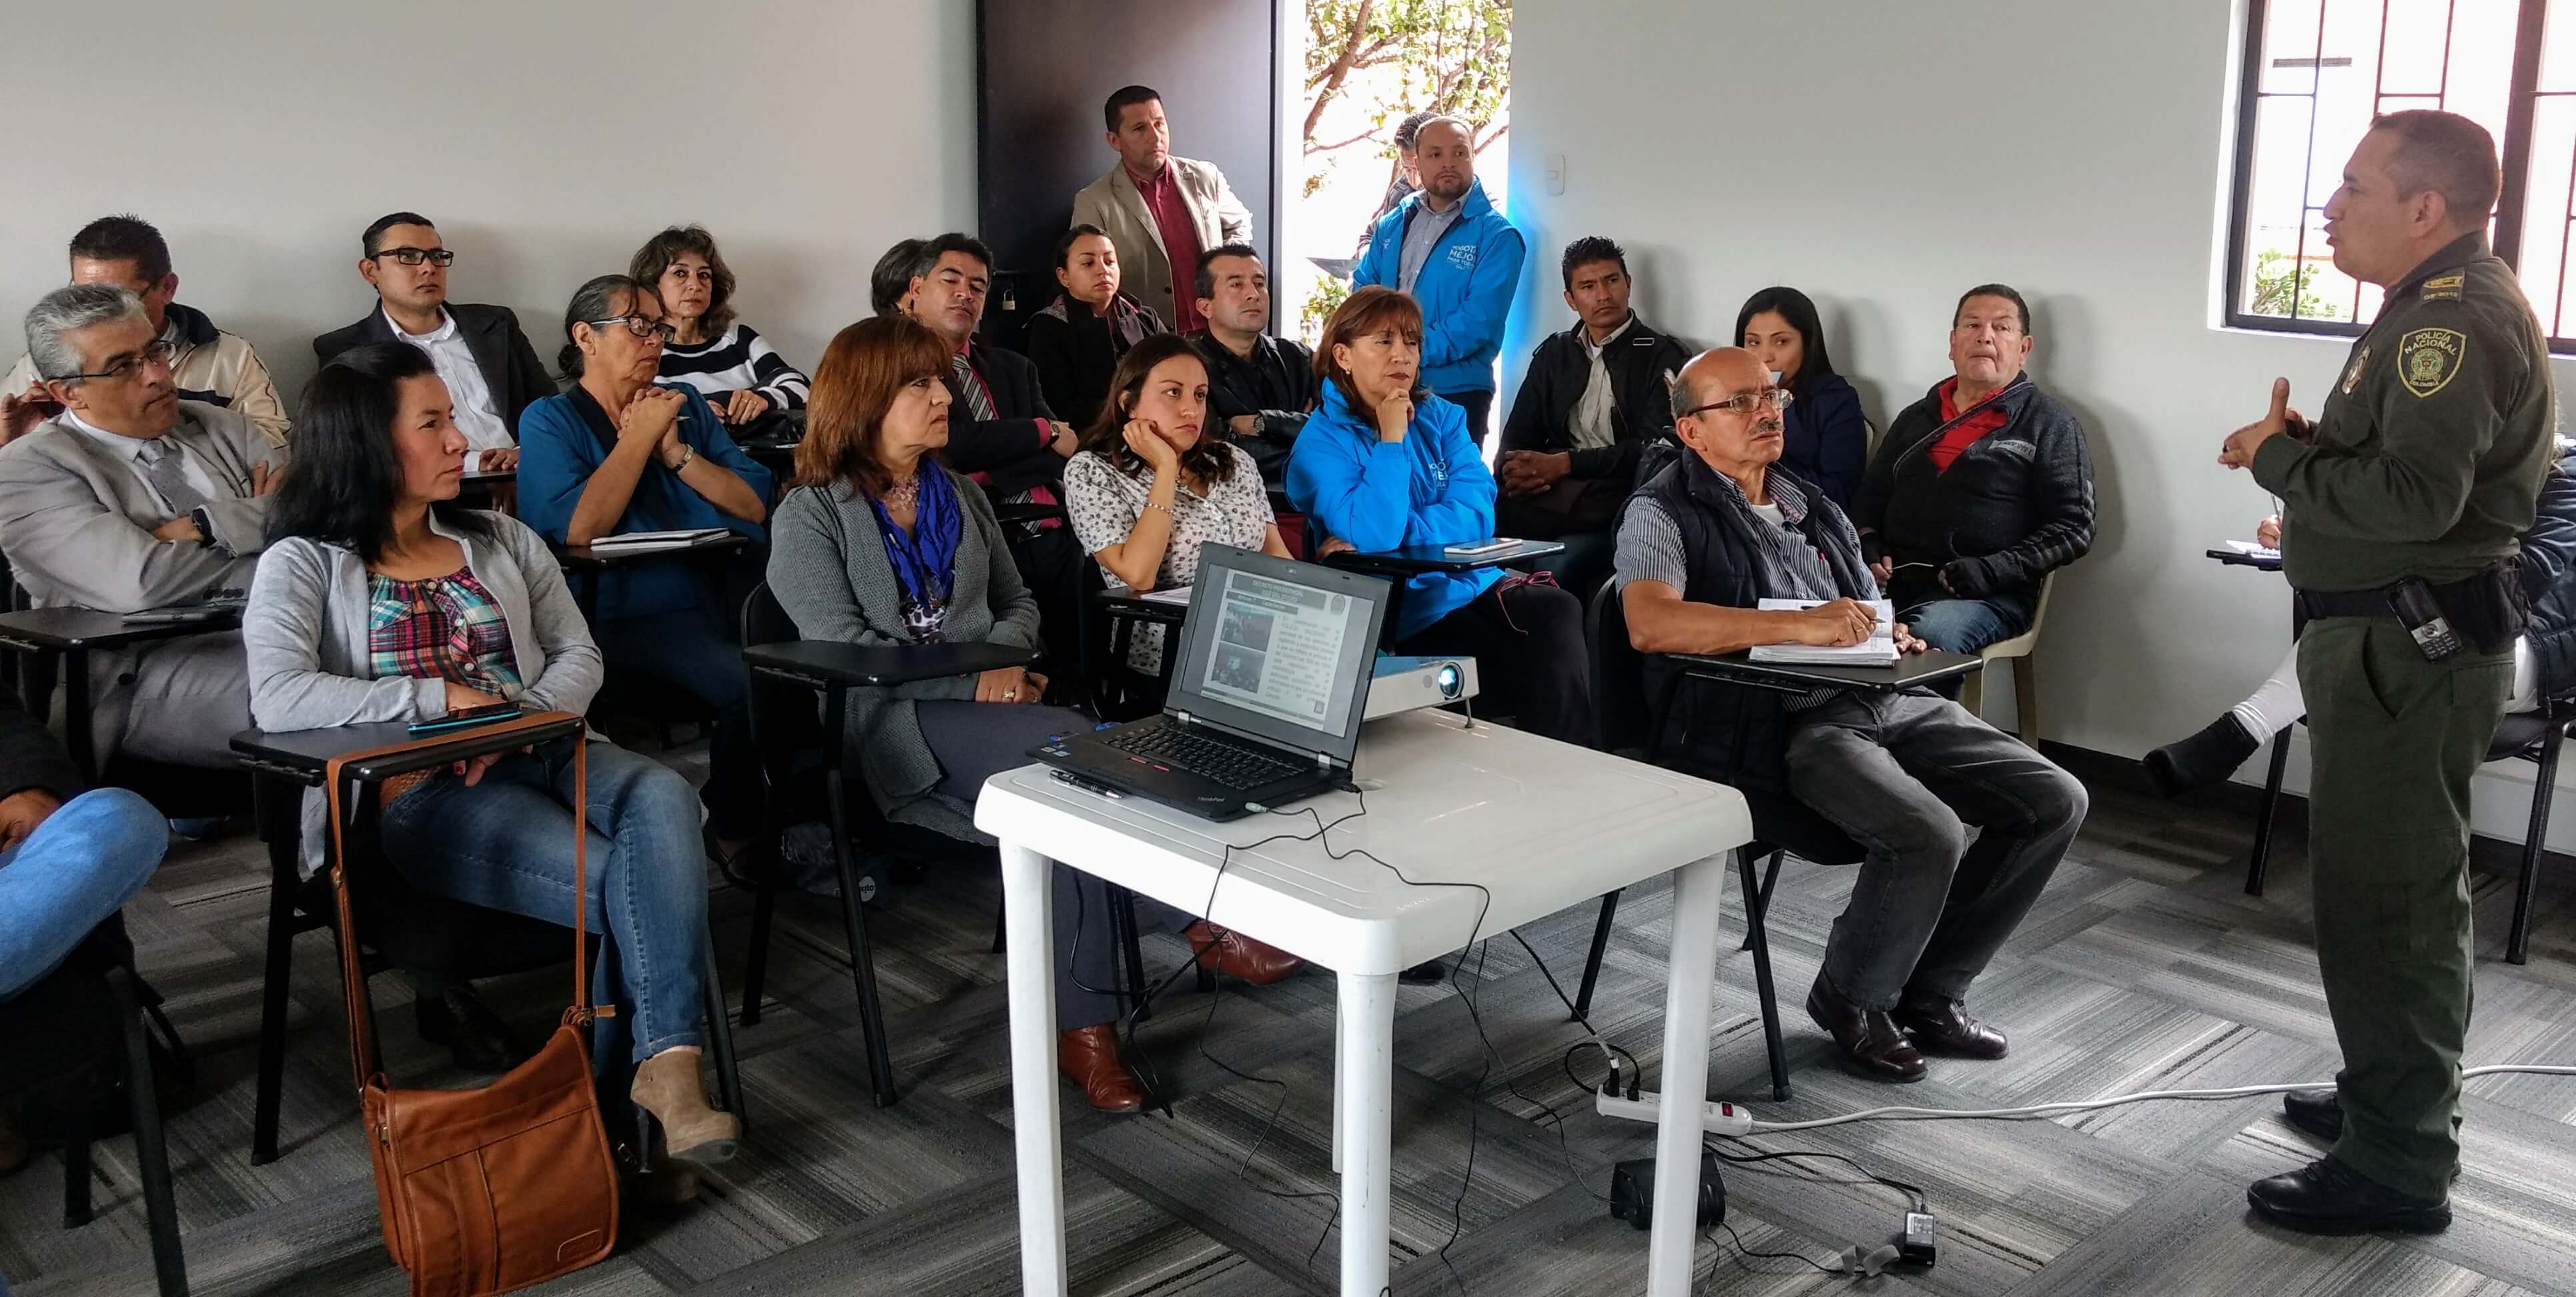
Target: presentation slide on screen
x,y
1276,646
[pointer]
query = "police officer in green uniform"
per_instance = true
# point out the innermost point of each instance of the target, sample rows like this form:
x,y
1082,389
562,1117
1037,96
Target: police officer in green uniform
x,y
2402,506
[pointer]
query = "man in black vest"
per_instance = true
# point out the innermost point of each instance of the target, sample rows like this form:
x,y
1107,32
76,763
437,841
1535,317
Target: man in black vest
x,y
1701,544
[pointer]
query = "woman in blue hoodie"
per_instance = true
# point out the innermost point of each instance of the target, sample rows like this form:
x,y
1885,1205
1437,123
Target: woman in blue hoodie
x,y
1385,464
1824,435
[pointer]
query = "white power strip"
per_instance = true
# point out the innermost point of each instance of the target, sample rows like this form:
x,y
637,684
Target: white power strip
x,y
1732,1119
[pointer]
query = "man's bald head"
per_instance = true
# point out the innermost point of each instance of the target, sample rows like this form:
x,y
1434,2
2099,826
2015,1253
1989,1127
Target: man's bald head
x,y
1722,370
1444,151
1740,441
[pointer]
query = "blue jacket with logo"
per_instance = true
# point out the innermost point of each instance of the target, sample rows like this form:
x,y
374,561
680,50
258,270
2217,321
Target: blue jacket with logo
x,y
1432,488
1465,288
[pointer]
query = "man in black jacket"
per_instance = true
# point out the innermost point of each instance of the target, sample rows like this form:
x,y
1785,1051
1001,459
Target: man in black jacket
x,y
1259,386
491,371
1594,398
1980,489
1000,431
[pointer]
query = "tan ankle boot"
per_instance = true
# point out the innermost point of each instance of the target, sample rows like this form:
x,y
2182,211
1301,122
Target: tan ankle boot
x,y
667,1086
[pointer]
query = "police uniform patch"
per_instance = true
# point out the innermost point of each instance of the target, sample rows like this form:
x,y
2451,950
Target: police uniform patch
x,y
2428,359
2443,288
2360,362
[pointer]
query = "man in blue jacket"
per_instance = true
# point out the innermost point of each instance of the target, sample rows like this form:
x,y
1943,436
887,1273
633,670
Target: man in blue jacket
x,y
1448,249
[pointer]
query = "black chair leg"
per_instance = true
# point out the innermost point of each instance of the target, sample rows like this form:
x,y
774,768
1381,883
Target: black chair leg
x,y
151,1153
1757,904
1761,943
863,968
1592,961
755,971
272,1013
2262,861
1131,951
1001,929
76,1169
720,1037
2517,947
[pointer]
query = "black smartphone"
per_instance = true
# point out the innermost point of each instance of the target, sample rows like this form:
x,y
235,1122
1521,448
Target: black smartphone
x,y
2412,600
466,719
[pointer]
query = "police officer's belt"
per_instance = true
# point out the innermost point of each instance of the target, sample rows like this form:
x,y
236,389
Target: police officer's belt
x,y
2487,609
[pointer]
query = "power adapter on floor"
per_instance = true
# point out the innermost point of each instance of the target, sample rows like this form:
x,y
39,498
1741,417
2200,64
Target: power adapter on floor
x,y
1632,1192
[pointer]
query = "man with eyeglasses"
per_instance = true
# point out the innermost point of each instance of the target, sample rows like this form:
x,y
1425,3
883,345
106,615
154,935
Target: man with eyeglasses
x,y
491,371
1980,489
207,363
1701,545
134,498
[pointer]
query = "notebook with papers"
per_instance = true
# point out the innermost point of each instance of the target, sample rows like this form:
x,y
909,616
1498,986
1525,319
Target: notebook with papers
x,y
1878,650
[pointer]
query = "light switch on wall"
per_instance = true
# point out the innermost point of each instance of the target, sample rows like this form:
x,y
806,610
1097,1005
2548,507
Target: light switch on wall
x,y
1556,173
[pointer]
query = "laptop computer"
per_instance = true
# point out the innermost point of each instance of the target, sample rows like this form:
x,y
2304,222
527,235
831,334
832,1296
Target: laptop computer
x,y
1267,695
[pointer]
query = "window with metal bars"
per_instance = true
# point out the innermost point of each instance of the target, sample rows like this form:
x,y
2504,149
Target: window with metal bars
x,y
2317,71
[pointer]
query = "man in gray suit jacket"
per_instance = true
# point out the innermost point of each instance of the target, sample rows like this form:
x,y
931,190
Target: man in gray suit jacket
x,y
1161,212
133,499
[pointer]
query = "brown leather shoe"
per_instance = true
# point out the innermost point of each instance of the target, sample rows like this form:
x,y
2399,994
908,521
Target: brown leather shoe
x,y
1088,1057
1940,1025
1866,1036
1234,955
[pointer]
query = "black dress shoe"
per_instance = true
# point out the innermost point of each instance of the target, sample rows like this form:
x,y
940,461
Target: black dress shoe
x,y
2327,1197
1867,1037
1427,973
2203,759
2318,1112
476,1038
1942,1026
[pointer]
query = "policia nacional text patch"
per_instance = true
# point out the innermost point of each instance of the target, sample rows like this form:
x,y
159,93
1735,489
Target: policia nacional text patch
x,y
2427,359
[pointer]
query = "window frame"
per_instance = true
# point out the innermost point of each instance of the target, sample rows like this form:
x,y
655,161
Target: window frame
x,y
2522,96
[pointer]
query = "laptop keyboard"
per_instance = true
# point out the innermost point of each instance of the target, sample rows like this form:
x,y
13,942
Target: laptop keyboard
x,y
1235,765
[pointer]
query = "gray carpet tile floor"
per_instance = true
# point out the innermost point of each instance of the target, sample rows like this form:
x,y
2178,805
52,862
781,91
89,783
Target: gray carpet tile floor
x,y
2144,967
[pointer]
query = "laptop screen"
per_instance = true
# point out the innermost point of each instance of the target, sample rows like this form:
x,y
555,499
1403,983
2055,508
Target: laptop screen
x,y
1279,649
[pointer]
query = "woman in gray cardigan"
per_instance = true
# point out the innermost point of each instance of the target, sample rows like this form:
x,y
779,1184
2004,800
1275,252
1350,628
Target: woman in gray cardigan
x,y
380,600
879,543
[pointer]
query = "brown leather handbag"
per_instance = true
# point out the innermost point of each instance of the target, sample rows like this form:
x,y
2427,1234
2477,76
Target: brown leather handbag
x,y
489,1190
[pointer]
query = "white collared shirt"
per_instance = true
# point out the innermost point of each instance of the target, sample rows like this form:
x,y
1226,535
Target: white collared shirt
x,y
1591,425
138,454
476,415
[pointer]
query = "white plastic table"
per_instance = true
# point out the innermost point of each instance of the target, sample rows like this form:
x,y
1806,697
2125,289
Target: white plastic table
x,y
1543,825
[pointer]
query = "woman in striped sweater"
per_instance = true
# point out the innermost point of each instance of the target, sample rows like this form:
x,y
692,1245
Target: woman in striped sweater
x,y
739,373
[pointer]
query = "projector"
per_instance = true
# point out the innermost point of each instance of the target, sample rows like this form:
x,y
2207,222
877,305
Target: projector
x,y
1404,684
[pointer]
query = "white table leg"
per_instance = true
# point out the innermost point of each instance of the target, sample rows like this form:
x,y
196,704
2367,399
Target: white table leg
x,y
1341,1047
1364,1081
1028,896
1696,888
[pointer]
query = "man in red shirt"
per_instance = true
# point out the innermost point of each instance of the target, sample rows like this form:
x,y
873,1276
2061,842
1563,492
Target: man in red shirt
x,y
1980,489
1162,212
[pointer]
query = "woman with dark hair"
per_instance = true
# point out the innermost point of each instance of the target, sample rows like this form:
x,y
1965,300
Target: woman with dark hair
x,y
616,454
743,378
1385,464
1824,437
1076,341
1152,482
890,283
877,542
380,600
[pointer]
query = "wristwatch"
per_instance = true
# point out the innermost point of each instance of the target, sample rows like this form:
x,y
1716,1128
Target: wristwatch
x,y
687,453
205,526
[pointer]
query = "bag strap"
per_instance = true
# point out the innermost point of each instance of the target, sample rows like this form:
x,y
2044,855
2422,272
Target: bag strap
x,y
353,982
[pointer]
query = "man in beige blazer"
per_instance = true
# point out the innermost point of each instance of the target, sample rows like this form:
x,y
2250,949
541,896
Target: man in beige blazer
x,y
1160,211
131,499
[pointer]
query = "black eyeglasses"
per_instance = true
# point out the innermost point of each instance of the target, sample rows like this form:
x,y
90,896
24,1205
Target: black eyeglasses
x,y
156,352
639,326
1746,402
415,256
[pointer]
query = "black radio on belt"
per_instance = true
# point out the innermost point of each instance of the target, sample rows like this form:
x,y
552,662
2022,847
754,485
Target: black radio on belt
x,y
2412,601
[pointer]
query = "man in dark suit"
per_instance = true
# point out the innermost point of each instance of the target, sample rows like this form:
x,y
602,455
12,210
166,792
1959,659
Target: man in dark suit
x,y
491,371
1000,431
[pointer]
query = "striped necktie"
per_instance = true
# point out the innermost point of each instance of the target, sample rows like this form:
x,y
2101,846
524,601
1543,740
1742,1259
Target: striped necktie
x,y
979,402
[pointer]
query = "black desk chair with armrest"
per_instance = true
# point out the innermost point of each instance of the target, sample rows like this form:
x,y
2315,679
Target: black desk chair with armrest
x,y
1401,565
402,926
90,1014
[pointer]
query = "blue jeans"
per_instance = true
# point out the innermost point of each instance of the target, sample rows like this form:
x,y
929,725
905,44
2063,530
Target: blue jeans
x,y
81,865
1963,625
505,844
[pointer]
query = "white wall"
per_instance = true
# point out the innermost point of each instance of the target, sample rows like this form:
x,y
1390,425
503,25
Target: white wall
x,y
547,140
1884,157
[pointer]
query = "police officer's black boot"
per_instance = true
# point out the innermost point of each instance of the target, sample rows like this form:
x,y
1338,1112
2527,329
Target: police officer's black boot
x,y
2318,1112
2203,759
2327,1197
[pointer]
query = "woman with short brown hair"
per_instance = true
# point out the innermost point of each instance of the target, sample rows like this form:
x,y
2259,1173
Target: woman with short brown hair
x,y
736,369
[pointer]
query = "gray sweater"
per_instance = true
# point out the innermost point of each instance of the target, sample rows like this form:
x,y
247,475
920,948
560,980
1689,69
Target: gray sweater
x,y
828,567
306,632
